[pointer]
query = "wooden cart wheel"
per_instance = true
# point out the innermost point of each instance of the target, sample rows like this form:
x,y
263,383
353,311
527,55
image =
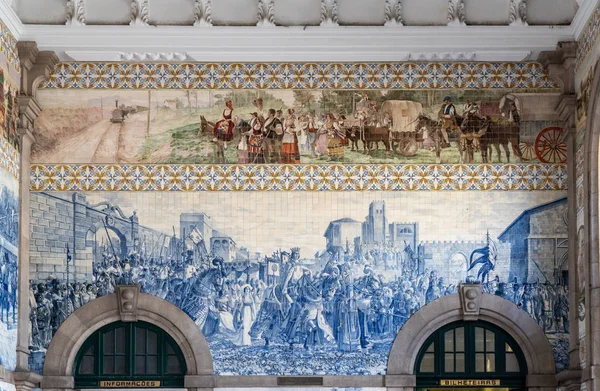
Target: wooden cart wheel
x,y
527,151
549,146
409,146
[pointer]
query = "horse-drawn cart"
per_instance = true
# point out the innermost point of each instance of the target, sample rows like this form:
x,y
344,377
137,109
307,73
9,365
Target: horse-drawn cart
x,y
402,135
548,147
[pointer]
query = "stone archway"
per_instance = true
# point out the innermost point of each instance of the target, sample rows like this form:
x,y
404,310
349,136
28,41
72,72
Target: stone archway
x,y
471,304
127,304
591,244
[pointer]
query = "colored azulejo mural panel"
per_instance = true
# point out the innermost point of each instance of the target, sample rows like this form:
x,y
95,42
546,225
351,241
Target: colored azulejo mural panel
x,y
334,177
299,283
292,126
9,242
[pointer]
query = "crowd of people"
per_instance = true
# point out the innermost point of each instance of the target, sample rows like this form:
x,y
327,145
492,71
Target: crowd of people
x,y
9,232
272,137
345,306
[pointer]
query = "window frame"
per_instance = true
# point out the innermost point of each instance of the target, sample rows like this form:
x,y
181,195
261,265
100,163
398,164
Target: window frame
x,y
507,379
167,380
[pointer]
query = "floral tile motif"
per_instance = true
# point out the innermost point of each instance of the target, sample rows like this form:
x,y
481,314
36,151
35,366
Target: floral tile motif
x,y
414,76
9,158
588,38
298,177
8,47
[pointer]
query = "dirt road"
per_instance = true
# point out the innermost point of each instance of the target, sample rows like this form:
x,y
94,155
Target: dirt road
x,y
97,144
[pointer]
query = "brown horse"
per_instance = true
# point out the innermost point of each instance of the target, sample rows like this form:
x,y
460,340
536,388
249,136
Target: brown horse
x,y
434,130
205,126
494,134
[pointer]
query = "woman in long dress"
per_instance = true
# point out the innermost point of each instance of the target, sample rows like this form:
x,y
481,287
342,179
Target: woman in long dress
x,y
289,148
256,153
335,148
247,313
322,140
223,129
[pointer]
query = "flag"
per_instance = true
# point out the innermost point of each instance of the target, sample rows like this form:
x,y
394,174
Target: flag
x,y
273,269
195,235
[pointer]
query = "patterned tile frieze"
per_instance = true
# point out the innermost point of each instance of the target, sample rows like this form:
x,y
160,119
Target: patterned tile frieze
x,y
297,177
9,158
588,38
8,47
414,76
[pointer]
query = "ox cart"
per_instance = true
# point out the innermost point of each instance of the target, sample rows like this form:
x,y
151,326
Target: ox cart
x,y
394,125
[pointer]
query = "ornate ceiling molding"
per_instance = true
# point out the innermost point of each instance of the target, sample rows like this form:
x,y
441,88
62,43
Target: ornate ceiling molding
x,y
266,13
393,13
166,57
202,13
139,13
518,13
456,13
329,13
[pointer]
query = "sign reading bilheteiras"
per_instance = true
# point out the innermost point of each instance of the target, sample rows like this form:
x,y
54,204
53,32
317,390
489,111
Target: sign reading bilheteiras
x,y
469,382
129,383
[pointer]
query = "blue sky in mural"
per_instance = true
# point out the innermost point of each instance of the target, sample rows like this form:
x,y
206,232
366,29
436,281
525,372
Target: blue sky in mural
x,y
302,283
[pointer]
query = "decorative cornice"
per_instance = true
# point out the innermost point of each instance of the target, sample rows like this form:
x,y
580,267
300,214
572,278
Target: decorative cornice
x,y
75,13
174,57
139,13
406,75
393,13
329,13
342,177
456,13
290,44
266,13
202,13
448,56
517,13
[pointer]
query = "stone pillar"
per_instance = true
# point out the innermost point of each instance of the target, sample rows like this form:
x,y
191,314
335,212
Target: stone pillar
x,y
561,68
24,327
35,68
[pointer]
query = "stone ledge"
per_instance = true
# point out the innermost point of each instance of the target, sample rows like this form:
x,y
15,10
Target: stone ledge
x,y
400,381
541,381
58,382
193,381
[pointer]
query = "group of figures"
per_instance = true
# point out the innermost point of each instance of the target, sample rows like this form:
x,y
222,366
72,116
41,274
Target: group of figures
x,y
8,111
347,306
269,137
272,136
9,238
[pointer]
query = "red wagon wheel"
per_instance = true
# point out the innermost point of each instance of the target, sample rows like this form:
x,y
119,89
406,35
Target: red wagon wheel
x,y
527,150
549,146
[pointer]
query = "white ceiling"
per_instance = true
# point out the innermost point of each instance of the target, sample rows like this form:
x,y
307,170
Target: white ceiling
x,y
297,30
297,12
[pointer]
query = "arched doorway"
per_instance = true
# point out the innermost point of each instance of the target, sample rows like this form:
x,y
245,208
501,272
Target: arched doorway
x,y
128,306
470,355
132,354
472,307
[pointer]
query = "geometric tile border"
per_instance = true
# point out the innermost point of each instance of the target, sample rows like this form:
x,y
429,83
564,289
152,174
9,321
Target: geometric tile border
x,y
588,38
333,177
9,158
8,47
413,76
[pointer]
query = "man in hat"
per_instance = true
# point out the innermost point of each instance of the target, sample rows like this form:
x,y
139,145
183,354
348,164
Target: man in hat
x,y
447,114
273,134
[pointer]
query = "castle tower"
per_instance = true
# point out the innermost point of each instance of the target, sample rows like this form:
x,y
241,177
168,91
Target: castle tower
x,y
375,225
